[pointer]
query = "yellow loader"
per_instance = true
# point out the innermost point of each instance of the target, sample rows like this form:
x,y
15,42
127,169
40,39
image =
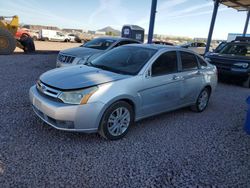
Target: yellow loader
x,y
8,42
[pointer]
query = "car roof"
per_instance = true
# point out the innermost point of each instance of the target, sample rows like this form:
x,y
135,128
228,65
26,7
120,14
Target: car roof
x,y
117,38
239,42
155,46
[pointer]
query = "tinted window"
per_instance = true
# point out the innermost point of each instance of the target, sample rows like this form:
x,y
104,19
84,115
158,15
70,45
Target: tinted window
x,y
193,45
189,61
99,43
124,59
239,49
201,45
202,62
165,64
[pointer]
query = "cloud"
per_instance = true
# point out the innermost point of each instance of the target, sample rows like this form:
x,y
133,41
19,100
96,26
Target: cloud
x,y
110,11
30,12
162,7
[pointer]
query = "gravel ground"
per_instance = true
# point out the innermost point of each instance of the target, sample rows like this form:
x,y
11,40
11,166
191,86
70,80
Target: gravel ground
x,y
177,149
51,46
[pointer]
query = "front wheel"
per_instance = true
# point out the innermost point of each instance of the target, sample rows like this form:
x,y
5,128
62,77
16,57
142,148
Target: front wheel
x,y
202,101
116,121
246,83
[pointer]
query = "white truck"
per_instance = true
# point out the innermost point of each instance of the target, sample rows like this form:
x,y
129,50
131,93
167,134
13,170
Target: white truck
x,y
52,35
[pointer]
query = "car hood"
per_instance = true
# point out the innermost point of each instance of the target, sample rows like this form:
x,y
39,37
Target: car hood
x,y
80,51
78,77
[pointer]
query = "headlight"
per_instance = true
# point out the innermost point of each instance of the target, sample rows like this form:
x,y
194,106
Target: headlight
x,y
83,60
78,96
242,65
208,59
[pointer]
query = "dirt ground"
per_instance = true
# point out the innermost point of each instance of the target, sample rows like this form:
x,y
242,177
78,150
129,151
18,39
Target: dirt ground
x,y
51,46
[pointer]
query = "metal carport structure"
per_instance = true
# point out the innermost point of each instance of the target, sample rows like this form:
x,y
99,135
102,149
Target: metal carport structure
x,y
240,5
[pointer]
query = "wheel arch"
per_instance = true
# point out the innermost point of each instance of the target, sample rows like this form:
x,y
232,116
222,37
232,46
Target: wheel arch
x,y
126,99
209,87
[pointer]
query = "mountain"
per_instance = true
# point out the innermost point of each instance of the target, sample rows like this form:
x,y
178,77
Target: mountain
x,y
110,30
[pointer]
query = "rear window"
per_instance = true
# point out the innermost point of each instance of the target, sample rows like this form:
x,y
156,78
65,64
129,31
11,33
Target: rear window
x,y
236,49
189,61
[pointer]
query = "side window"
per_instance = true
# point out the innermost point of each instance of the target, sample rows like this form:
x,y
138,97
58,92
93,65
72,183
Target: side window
x,y
189,61
201,45
165,64
202,62
193,44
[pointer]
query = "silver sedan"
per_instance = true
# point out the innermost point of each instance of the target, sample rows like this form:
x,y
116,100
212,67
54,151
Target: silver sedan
x,y
122,86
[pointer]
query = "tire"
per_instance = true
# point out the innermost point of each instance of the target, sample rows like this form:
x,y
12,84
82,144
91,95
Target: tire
x,y
246,83
24,36
7,42
28,44
114,126
202,101
35,38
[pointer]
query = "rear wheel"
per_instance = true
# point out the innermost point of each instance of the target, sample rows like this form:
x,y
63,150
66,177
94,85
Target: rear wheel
x,y
7,42
202,100
116,121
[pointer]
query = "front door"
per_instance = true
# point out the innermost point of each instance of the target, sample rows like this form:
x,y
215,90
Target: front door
x,y
162,89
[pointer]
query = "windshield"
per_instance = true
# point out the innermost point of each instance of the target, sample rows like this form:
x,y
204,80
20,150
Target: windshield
x,y
100,44
236,49
124,60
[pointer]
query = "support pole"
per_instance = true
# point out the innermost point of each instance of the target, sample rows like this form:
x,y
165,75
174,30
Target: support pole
x,y
246,24
210,34
152,21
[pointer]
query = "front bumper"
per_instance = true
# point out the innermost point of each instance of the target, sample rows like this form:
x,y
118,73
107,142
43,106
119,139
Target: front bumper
x,y
78,118
233,72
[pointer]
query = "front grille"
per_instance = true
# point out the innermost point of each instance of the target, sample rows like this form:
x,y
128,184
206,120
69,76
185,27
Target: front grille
x,y
65,58
46,90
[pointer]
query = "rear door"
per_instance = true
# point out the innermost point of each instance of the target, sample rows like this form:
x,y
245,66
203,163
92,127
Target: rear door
x,y
162,89
192,77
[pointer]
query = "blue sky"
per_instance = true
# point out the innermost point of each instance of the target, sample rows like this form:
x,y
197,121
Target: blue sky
x,y
174,17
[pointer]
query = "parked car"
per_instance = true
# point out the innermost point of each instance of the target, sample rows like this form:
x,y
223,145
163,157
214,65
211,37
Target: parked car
x,y
52,35
233,61
72,37
90,50
198,47
24,33
124,85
